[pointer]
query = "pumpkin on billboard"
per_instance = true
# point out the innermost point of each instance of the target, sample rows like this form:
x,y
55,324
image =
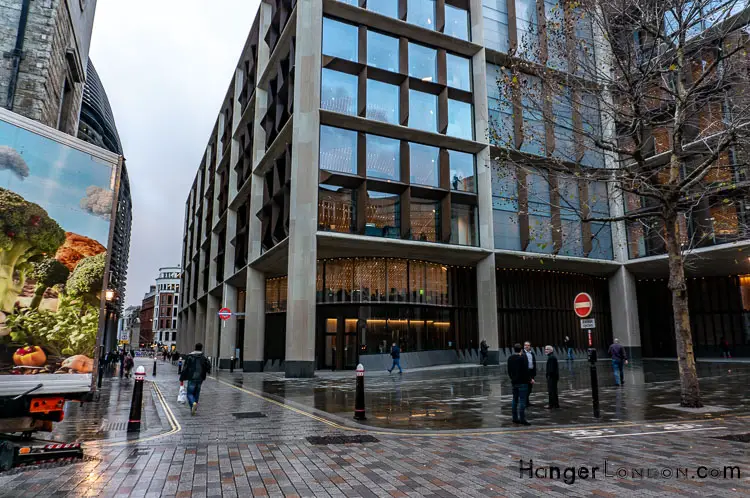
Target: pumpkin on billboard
x,y
30,356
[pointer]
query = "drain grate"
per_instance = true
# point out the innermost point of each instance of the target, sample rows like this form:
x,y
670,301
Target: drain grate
x,y
740,438
248,415
342,439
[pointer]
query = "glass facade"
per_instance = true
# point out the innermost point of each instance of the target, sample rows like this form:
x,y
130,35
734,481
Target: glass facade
x,y
423,164
458,70
464,225
338,149
422,62
340,39
383,215
425,220
386,7
383,158
338,92
336,208
421,13
382,101
423,111
460,120
382,51
495,14
456,22
462,171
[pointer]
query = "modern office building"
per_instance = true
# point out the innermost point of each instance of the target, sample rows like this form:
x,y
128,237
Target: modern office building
x,y
166,297
348,199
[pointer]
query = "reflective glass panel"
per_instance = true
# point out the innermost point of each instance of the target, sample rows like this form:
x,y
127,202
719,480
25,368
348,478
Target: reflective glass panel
x,y
386,7
382,101
338,150
336,209
422,62
462,170
425,220
340,39
460,120
456,22
383,216
421,13
382,51
423,165
464,225
338,92
422,111
459,72
383,157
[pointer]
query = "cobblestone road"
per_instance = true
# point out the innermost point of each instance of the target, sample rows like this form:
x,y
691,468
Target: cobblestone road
x,y
224,451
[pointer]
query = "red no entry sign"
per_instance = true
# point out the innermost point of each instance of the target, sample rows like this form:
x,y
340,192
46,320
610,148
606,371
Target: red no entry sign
x,y
225,313
583,305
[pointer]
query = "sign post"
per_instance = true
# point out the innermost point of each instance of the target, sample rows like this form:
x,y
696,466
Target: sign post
x,y
583,305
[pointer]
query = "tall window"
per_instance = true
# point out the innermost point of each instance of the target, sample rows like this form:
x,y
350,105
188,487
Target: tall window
x,y
459,71
464,225
336,209
338,150
423,165
500,107
534,136
562,113
462,171
383,216
570,221
338,92
556,41
456,22
495,13
422,111
382,101
422,62
382,51
540,216
592,129
421,13
383,156
601,232
528,30
425,220
340,39
460,120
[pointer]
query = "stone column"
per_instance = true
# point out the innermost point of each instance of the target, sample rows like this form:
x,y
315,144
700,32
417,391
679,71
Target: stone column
x,y
623,304
200,326
187,335
211,346
300,317
486,288
228,328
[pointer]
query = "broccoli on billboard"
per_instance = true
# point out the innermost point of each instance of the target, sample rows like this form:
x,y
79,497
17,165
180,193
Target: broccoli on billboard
x,y
55,209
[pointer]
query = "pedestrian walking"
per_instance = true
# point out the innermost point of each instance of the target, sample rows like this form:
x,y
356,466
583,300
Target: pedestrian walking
x,y
179,365
484,351
725,352
553,375
520,378
396,355
122,364
619,357
128,365
569,345
196,368
531,358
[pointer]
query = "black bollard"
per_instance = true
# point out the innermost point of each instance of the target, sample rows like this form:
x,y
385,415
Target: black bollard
x,y
154,367
359,399
594,381
134,420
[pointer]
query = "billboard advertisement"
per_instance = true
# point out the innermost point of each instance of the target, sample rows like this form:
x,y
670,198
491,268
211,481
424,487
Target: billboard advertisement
x,y
56,204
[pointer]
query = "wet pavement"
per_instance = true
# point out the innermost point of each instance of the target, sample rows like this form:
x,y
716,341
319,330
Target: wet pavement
x,y
465,398
225,451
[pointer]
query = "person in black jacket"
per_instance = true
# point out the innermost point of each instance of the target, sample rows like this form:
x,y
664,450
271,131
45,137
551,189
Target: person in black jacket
x,y
518,370
484,351
194,372
531,358
396,355
553,375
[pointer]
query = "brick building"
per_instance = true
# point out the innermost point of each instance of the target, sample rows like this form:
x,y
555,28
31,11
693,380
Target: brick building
x,y
147,318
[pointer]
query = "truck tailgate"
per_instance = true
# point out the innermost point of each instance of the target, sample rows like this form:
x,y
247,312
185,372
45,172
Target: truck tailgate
x,y
13,385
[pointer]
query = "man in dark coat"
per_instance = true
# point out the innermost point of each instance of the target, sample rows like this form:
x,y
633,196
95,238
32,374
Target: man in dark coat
x,y
531,358
553,375
484,350
518,370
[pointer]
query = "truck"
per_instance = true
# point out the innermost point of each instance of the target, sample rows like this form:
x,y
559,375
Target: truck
x,y
57,202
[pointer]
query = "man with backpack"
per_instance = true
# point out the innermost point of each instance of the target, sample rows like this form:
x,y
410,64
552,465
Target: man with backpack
x,y
194,372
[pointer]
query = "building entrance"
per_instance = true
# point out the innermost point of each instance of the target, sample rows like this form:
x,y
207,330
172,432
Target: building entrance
x,y
340,345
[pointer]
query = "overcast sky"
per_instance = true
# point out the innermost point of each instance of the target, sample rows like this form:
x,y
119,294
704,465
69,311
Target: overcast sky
x,y
166,66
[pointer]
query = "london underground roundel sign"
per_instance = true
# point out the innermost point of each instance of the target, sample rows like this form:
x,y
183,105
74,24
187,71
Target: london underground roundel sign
x,y
583,305
225,313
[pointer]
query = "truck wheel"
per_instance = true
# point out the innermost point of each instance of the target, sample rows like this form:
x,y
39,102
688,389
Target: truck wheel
x,y
7,450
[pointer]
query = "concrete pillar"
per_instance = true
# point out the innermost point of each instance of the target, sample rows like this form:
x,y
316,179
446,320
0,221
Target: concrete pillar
x,y
486,288
200,334
300,316
255,322
187,335
228,328
623,305
211,346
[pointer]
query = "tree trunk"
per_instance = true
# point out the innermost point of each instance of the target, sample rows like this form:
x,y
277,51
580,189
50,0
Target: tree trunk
x,y
690,391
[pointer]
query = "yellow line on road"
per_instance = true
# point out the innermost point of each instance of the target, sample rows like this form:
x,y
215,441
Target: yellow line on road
x,y
175,426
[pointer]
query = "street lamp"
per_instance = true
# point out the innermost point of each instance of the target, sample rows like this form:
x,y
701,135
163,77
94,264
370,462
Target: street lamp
x,y
109,296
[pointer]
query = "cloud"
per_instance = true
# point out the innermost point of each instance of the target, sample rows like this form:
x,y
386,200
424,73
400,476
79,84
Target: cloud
x,y
98,201
11,160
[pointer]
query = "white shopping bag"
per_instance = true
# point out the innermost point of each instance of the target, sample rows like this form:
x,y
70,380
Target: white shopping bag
x,y
182,397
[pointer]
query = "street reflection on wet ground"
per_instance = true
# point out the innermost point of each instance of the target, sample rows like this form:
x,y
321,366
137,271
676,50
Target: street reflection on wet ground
x,y
480,397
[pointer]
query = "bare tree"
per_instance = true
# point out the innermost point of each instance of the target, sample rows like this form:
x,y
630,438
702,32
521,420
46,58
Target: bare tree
x,y
640,104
